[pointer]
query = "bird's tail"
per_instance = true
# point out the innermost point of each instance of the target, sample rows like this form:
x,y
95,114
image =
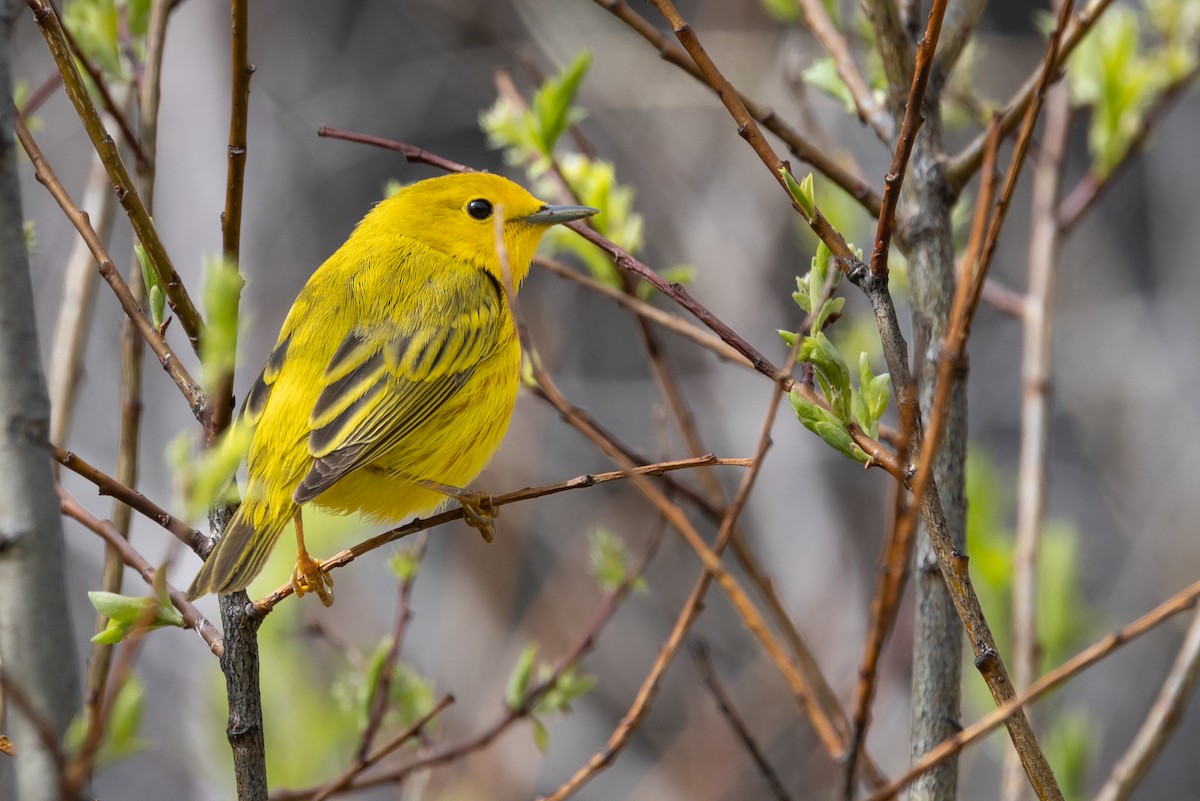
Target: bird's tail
x,y
240,554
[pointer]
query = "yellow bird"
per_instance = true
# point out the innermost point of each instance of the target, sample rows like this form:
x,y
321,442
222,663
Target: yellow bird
x,y
393,380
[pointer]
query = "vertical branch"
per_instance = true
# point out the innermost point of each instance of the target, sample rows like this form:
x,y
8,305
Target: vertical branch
x,y
240,663
36,645
231,217
1044,241
181,303
74,318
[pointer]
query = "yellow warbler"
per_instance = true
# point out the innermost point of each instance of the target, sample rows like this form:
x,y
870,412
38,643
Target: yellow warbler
x,y
394,377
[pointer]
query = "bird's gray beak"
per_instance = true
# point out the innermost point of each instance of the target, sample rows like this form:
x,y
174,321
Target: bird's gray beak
x,y
552,215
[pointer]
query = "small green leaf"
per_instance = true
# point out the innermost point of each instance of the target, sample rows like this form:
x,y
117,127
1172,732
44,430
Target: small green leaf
x,y
782,10
404,563
825,424
831,372
541,735
552,105
609,561
125,613
154,287
828,309
802,193
823,75
222,291
518,680
788,337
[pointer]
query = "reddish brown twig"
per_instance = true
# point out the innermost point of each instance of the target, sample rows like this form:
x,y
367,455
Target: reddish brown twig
x,y
894,180
847,179
241,71
960,168
192,393
107,485
1089,656
748,129
192,619
177,297
730,714
265,604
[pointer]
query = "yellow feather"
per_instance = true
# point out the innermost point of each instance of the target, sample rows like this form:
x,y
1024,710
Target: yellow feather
x,y
398,360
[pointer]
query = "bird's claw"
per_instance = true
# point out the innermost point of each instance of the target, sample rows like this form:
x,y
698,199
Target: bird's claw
x,y
479,513
309,576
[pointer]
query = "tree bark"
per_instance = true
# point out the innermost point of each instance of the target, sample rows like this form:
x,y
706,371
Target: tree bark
x,y
937,646
35,628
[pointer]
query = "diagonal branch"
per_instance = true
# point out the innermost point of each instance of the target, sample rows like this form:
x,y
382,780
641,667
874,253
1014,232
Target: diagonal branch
x,y
192,618
1181,602
960,168
181,303
870,111
192,393
802,149
913,118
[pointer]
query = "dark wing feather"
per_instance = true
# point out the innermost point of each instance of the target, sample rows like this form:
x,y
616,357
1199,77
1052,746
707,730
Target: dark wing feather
x,y
382,384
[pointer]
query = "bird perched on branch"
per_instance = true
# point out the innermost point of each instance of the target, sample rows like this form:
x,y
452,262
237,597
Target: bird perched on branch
x,y
393,380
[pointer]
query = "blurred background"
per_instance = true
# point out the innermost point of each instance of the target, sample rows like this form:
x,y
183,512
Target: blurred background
x,y
1122,503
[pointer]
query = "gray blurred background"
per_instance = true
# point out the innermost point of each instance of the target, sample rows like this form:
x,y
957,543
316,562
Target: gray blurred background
x,y
1124,425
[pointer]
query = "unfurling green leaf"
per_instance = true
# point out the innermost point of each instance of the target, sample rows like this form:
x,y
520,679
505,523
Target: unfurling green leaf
x,y
831,372
552,104
517,688
218,348
127,613
802,192
825,424
154,287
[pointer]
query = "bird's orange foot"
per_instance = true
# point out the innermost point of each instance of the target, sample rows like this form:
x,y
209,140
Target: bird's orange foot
x,y
309,576
479,513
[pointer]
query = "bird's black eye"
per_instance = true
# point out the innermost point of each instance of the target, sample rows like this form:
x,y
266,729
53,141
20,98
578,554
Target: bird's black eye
x,y
479,208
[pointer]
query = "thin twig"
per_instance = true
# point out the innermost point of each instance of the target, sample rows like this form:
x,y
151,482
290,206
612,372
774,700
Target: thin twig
x,y
960,168
192,619
411,152
848,180
587,640
913,117
704,664
170,362
1181,602
1164,717
107,485
177,297
869,110
265,604
664,319
112,107
1036,371
380,699
241,70
362,763
748,129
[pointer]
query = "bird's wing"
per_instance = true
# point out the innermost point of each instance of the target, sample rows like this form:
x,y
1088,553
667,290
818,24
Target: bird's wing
x,y
382,384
